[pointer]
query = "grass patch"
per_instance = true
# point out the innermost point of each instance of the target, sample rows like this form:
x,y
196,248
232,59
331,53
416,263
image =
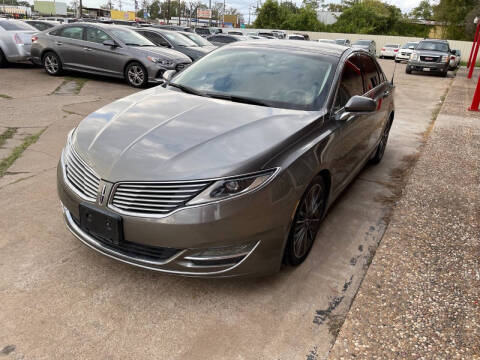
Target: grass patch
x,y
464,63
17,151
5,96
79,84
7,134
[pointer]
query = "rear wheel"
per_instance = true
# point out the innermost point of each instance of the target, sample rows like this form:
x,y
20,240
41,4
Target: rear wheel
x,y
3,59
306,222
136,75
52,64
408,70
382,145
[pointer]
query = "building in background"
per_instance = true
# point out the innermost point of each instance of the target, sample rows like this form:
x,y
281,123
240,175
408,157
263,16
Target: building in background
x,y
50,8
122,15
17,12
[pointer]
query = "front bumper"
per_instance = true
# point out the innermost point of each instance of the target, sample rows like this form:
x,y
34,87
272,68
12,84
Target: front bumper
x,y
250,219
21,55
401,57
435,67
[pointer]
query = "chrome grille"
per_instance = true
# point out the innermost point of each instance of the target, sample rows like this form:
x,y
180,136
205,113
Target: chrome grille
x,y
429,58
155,198
81,176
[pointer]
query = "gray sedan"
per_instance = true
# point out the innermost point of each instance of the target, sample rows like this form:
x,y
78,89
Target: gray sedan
x,y
15,41
229,168
174,40
109,50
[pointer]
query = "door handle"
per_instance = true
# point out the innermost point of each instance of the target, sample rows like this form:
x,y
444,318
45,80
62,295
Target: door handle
x,y
58,43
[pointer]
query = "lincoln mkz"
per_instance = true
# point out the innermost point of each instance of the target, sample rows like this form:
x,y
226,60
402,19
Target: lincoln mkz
x,y
228,168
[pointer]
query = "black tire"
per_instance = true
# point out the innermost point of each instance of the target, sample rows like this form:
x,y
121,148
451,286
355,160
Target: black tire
x,y
382,145
136,75
444,74
52,64
397,61
3,60
306,222
408,70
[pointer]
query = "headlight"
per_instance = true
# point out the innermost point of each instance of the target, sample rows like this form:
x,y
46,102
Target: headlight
x,y
232,187
445,58
163,62
414,56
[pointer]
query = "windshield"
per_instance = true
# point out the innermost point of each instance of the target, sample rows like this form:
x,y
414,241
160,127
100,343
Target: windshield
x,y
277,78
130,37
408,45
433,46
197,39
362,42
10,25
178,39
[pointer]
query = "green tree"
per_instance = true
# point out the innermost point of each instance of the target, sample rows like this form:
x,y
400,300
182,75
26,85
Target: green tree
x,y
424,11
154,9
453,13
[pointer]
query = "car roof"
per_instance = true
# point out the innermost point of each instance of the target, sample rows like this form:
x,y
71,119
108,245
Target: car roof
x,y
308,46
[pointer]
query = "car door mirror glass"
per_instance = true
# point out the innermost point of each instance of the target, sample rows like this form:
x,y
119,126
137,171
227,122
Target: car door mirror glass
x,y
360,104
109,43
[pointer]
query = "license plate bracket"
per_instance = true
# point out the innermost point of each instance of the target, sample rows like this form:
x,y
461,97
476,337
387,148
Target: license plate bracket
x,y
101,224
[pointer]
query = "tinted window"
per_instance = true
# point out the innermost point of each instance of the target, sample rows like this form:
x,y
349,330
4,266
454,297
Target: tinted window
x,y
40,26
97,35
130,37
72,32
155,38
433,46
178,39
197,39
10,25
280,78
202,31
372,78
223,39
351,83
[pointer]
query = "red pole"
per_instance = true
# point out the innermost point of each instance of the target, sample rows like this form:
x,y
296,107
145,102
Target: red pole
x,y
476,97
473,45
474,59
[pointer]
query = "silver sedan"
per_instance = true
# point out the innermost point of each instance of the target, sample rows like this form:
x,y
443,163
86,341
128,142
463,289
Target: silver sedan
x,y
15,41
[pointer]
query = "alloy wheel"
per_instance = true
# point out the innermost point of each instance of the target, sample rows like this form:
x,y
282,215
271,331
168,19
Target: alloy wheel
x,y
51,64
136,75
308,221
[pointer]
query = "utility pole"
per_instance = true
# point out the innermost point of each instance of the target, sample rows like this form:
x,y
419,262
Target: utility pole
x,y
179,12
136,9
168,12
223,20
80,11
210,7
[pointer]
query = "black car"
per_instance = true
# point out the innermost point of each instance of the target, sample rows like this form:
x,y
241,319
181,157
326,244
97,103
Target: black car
x,y
223,39
174,40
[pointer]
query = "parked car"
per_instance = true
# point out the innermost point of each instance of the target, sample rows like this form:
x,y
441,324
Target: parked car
x,y
328,41
173,27
200,41
431,56
223,39
344,42
111,50
295,37
202,31
42,25
405,52
367,45
174,40
389,51
15,41
266,34
455,59
222,172
61,20
279,34
235,33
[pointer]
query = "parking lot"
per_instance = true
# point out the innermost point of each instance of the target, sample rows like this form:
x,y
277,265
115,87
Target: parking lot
x,y
60,299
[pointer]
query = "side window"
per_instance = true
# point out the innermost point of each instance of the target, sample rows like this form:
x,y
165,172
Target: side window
x,y
96,35
372,78
158,39
351,83
72,32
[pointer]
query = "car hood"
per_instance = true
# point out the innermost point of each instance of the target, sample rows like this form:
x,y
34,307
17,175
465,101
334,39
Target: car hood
x,y
162,52
161,134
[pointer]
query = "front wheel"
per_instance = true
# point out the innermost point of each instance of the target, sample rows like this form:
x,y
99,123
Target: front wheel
x,y
306,222
408,70
136,75
3,59
52,64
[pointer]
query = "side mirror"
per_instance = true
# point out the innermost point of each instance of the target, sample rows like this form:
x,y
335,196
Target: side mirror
x,y
168,75
360,104
109,43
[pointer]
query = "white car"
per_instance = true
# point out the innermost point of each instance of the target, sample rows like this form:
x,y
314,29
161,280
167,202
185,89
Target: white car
x,y
404,53
455,59
390,51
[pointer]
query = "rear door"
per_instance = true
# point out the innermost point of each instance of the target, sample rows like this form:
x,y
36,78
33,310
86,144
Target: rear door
x,y
97,57
68,43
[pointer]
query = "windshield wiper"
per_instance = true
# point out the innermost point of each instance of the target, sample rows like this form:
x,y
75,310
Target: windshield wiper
x,y
239,99
187,89
132,44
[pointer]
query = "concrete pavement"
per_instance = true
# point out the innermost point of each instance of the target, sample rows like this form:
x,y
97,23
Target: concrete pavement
x,y
61,300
